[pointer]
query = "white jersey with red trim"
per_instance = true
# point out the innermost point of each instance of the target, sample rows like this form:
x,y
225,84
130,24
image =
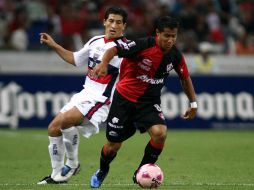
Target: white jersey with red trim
x,y
91,54
94,100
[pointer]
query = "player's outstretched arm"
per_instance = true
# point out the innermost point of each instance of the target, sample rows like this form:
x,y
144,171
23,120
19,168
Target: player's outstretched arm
x,y
63,53
102,68
190,92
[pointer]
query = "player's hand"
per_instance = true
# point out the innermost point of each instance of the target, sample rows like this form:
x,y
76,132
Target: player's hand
x,y
190,113
47,39
99,70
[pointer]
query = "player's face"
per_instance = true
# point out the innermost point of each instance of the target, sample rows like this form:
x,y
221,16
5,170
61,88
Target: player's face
x,y
167,38
114,26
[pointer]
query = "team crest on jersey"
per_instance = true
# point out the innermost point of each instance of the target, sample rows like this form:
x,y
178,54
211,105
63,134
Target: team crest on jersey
x,y
169,67
115,120
96,56
145,64
93,60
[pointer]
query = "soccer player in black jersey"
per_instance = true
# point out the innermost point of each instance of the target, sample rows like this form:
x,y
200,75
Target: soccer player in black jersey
x,y
136,103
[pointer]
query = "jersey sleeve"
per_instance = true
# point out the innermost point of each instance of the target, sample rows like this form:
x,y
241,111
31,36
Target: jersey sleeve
x,y
181,66
81,56
130,48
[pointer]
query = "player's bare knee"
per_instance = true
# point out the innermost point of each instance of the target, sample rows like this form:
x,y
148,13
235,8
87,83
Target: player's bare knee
x,y
158,133
55,126
54,130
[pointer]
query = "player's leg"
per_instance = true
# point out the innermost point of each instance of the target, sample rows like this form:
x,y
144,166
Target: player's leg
x,y
115,132
56,149
151,119
154,147
108,153
86,114
71,139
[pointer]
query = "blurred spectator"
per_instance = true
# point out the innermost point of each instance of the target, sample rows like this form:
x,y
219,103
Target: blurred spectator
x,y
19,39
203,62
17,29
244,45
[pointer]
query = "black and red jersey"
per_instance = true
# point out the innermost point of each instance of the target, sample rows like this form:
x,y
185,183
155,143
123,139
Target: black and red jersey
x,y
145,67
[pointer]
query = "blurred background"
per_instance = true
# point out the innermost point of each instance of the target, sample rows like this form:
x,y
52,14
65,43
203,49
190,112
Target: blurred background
x,y
217,37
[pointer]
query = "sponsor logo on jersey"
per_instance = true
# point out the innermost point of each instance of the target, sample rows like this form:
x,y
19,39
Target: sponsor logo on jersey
x,y
145,78
113,133
115,126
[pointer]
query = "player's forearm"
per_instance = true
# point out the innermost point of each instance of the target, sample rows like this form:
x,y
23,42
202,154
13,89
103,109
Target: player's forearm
x,y
108,55
189,89
66,55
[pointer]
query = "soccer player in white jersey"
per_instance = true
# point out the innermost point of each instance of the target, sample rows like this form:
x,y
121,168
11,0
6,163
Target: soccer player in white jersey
x,y
88,108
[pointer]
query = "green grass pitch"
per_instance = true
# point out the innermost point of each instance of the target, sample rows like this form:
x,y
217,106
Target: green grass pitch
x,y
193,160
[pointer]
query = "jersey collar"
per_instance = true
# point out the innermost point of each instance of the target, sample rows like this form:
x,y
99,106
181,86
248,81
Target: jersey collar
x,y
108,40
113,39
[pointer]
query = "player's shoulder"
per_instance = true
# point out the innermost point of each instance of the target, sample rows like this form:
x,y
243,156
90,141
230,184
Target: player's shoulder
x,y
150,40
135,45
176,54
95,38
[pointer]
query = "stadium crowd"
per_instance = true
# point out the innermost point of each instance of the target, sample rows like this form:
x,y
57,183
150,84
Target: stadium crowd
x,y
226,25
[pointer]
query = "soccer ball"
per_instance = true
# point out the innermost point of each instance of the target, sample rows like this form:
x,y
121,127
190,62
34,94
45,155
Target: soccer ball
x,y
149,176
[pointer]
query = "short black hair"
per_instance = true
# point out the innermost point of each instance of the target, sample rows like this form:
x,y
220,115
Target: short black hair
x,y
116,11
166,22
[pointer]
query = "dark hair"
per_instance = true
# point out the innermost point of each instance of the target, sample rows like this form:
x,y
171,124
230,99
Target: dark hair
x,y
166,22
117,11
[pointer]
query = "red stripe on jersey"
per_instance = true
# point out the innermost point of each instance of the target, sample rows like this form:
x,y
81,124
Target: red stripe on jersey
x,y
102,80
108,40
97,106
113,39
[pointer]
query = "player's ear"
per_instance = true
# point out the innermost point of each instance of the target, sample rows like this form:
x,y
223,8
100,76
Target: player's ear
x,y
124,26
104,22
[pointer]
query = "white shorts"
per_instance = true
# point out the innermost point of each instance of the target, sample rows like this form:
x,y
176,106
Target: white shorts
x,y
95,112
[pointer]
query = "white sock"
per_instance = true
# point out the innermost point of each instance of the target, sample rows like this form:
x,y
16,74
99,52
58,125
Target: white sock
x,y
56,152
71,142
